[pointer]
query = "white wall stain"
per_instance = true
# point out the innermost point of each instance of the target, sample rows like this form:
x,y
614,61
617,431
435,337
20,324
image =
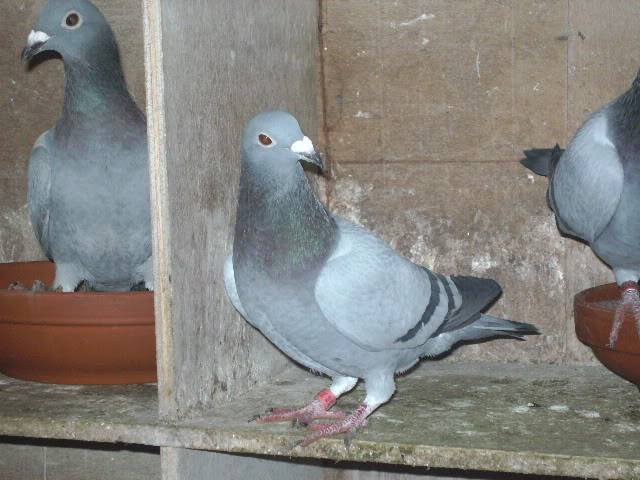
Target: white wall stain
x,y
420,254
351,194
482,263
413,21
361,114
17,239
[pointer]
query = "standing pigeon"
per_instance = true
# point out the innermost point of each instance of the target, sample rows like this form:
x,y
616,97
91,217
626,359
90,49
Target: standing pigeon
x,y
88,175
331,294
594,190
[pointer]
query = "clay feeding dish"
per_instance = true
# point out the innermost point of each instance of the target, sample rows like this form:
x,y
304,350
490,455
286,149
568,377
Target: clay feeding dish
x,y
594,310
74,338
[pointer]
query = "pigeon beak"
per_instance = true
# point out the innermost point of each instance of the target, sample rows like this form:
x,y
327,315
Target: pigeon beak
x,y
306,152
35,42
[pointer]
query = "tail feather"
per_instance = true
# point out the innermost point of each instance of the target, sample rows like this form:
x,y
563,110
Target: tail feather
x,y
541,161
488,326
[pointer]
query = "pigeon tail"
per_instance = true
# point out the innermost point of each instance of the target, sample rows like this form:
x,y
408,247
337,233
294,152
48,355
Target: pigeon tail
x,y
541,161
487,326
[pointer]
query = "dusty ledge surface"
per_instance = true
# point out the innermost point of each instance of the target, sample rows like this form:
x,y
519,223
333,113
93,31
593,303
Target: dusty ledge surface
x,y
539,419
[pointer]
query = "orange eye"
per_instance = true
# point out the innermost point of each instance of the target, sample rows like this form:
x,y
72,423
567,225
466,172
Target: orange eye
x,y
265,139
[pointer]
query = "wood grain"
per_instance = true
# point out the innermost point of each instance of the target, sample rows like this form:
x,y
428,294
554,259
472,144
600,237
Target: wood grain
x,y
220,66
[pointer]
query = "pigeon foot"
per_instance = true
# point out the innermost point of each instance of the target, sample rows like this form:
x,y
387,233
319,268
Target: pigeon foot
x,y
630,300
348,425
318,408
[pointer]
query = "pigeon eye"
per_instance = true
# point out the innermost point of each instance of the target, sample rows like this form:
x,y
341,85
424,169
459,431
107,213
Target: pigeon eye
x,y
72,20
265,139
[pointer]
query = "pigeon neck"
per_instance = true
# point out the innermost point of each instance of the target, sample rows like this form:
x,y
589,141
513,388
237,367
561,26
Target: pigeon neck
x,y
96,90
281,224
631,98
625,121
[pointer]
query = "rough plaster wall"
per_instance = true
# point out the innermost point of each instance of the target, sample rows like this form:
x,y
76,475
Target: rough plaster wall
x,y
429,104
30,103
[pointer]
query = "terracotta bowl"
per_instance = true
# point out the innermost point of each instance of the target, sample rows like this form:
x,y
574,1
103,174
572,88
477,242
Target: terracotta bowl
x,y
74,338
594,309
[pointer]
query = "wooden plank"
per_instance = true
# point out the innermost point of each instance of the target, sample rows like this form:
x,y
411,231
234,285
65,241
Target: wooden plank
x,y
21,461
464,416
603,62
426,81
24,459
200,465
220,66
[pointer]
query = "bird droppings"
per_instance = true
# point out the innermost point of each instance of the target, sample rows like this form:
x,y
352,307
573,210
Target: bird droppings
x,y
463,403
559,408
521,409
588,413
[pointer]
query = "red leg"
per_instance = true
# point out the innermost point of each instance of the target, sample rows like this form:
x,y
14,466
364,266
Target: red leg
x,y
630,301
318,408
348,425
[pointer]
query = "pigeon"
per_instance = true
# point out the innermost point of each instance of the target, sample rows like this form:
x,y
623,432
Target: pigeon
x,y
331,294
88,175
594,191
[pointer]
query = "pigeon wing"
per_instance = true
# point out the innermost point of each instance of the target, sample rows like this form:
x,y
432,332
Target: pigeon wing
x,y
40,190
377,298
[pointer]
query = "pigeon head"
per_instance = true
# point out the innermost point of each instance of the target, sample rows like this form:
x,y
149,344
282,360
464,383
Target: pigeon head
x,y
73,28
274,140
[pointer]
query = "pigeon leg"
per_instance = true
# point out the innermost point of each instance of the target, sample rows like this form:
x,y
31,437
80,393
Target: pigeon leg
x,y
630,300
68,276
318,408
145,274
380,388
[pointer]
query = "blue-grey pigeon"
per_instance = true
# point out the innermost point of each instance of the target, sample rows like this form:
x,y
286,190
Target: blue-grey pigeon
x,y
594,190
332,295
88,175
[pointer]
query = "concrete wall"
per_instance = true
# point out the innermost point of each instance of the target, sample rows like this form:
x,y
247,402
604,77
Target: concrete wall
x,y
429,104
30,103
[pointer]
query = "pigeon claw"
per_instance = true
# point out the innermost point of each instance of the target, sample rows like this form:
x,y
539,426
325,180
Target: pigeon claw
x,y
347,425
630,301
299,416
318,408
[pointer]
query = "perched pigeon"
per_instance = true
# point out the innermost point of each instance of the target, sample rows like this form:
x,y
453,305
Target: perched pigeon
x,y
594,190
88,175
331,294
